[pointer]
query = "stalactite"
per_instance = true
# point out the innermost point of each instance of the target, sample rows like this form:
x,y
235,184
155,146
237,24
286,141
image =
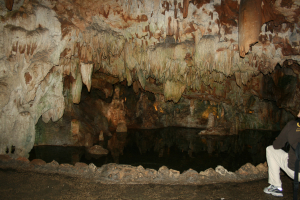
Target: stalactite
x,y
173,90
250,22
76,88
9,4
86,71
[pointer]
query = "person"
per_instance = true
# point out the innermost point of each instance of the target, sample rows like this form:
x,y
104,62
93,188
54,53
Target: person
x,y
277,158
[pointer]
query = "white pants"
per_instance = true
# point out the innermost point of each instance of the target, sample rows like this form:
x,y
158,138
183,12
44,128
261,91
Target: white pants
x,y
277,159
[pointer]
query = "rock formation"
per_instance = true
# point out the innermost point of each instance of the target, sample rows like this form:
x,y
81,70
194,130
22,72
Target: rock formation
x,y
237,59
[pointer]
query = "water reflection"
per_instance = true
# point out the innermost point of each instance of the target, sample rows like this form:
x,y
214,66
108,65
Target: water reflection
x,y
177,148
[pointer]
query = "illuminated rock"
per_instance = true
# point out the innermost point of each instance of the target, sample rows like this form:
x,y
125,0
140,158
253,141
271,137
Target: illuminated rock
x,y
182,50
86,74
97,150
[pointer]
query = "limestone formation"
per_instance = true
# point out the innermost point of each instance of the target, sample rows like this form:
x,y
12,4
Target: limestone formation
x,y
119,174
176,50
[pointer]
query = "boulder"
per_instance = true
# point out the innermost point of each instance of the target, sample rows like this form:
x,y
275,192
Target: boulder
x,y
97,150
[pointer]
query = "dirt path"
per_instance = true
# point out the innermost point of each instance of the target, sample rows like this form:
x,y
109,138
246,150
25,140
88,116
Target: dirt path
x,y
28,185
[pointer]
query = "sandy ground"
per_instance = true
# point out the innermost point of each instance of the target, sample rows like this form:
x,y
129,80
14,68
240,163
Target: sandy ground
x,y
29,185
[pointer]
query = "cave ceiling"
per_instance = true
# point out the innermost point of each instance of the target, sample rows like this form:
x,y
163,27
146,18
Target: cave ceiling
x,y
216,50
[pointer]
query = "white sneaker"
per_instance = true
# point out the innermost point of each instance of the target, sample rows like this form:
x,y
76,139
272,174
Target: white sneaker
x,y
274,191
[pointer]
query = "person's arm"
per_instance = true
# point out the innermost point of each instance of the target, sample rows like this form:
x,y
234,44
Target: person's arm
x,y
280,141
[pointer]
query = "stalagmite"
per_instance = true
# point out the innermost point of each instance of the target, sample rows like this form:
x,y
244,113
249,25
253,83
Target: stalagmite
x,y
211,121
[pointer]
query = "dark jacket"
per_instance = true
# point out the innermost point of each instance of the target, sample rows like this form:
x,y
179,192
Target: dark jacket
x,y
291,134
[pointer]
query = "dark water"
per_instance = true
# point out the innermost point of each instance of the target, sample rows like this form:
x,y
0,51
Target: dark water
x,y
176,148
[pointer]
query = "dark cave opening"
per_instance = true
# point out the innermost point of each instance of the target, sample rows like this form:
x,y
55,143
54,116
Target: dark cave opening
x,y
177,148
138,127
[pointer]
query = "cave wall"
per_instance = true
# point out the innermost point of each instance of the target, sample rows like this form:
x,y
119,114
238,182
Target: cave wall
x,y
126,108
175,49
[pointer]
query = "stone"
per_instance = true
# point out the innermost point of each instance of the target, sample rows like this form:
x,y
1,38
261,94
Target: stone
x,y
81,165
38,162
54,163
88,140
262,168
209,173
140,168
215,131
121,127
23,160
248,169
67,169
101,137
92,167
211,121
190,175
4,157
223,172
151,173
163,171
51,167
174,174
75,126
97,150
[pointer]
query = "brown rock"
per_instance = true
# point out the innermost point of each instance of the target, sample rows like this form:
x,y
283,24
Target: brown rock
x,y
164,171
53,164
38,162
215,131
211,121
66,166
222,171
88,140
262,168
121,128
248,169
97,150
23,159
9,4
92,167
209,172
80,165
190,175
152,173
174,173
4,157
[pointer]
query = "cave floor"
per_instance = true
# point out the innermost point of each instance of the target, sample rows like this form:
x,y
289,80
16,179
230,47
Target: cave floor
x,y
29,185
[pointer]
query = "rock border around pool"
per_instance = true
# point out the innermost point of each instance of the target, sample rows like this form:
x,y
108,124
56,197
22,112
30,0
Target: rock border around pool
x,y
126,174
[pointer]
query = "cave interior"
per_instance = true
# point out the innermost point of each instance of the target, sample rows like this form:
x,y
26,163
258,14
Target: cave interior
x,y
141,76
